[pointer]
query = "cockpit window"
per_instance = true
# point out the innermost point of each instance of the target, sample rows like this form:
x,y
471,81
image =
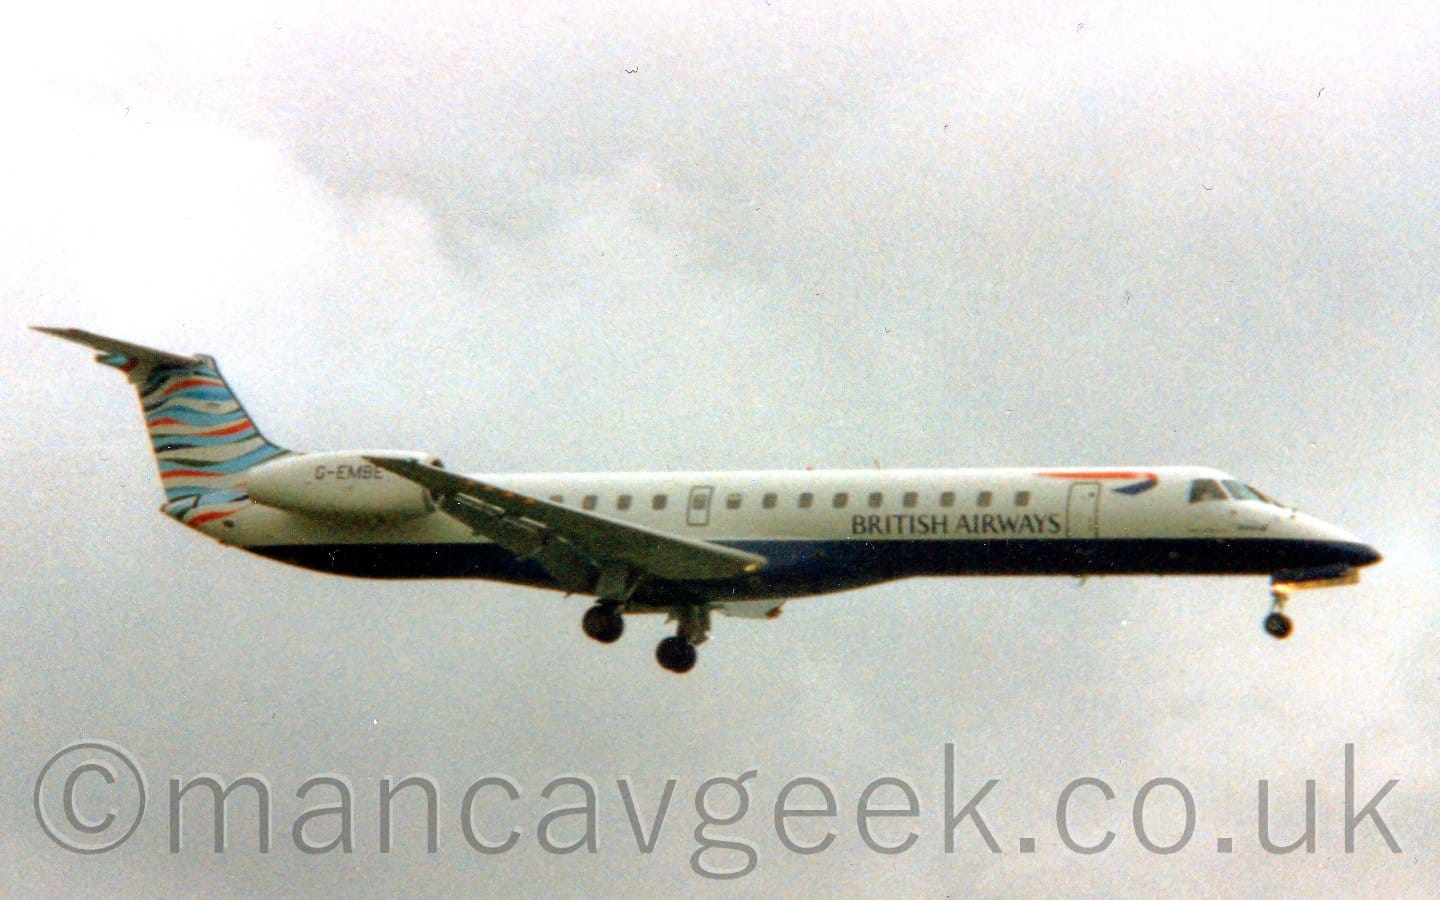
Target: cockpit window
x,y
1242,491
1266,498
1205,489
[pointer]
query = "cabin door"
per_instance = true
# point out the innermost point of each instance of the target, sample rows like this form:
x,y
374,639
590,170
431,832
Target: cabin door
x,y
697,508
1082,510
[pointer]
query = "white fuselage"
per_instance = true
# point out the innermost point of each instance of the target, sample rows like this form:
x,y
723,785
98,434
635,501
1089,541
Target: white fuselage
x,y
827,530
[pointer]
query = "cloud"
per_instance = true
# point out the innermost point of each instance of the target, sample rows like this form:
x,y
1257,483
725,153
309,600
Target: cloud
x,y
792,235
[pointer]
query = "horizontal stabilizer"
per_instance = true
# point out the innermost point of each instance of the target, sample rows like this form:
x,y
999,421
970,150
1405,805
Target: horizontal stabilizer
x,y
124,348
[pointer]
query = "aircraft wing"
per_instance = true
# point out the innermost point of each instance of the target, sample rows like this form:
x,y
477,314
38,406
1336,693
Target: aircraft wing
x,y
529,526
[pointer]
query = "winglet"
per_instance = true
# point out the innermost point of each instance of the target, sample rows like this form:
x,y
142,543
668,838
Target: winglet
x,y
124,348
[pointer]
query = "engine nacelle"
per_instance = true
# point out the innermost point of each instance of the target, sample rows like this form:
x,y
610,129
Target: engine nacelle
x,y
340,486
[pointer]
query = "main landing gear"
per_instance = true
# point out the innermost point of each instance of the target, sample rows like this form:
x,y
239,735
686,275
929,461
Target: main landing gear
x,y
678,653
603,622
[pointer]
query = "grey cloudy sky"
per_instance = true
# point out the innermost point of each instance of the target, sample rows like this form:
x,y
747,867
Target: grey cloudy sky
x,y
761,235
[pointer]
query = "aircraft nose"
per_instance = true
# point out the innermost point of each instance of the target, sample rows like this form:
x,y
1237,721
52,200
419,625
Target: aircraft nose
x,y
1362,554
1337,545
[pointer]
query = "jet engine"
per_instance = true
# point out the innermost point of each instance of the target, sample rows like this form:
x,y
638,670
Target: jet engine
x,y
340,486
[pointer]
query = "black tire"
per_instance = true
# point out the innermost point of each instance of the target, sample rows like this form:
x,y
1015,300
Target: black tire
x,y
603,623
1278,625
676,654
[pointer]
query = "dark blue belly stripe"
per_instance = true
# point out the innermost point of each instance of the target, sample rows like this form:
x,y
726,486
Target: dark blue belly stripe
x,y
805,567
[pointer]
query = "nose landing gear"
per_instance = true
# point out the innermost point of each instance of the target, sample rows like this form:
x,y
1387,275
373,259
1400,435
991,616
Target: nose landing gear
x,y
1277,624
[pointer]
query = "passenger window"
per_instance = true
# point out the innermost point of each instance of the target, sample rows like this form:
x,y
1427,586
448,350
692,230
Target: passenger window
x,y
1203,490
840,500
623,501
910,499
589,501
984,499
947,499
768,501
659,501
732,501
806,501
876,499
556,498
1022,498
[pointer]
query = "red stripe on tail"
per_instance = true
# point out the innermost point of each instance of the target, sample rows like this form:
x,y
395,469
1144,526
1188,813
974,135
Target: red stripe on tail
x,y
191,382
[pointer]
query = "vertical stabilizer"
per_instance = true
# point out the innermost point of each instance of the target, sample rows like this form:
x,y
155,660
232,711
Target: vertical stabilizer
x,y
202,437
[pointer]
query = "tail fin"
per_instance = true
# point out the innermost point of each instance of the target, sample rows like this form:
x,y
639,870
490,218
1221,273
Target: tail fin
x,y
202,437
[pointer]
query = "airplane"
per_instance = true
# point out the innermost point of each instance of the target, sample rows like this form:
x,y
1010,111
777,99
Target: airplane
x,y
688,544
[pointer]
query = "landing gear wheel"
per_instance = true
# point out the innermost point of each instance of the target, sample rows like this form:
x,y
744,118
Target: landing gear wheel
x,y
676,654
1278,625
604,623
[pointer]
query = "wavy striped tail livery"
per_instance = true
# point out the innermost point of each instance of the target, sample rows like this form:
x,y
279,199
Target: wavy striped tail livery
x,y
202,437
